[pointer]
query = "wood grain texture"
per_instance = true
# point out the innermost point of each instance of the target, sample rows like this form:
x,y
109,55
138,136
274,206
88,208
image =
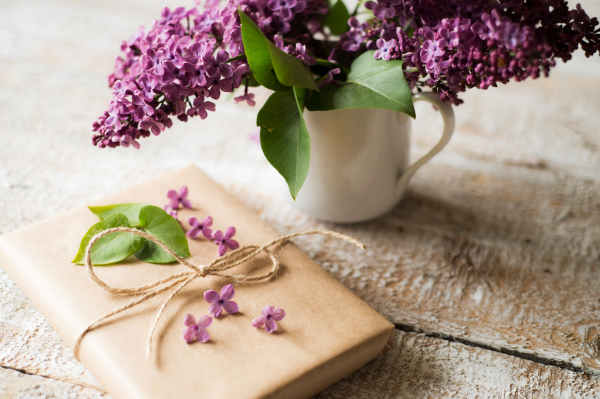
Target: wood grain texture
x,y
496,244
14,384
421,366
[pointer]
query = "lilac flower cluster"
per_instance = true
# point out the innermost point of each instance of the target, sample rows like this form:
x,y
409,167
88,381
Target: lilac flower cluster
x,y
196,331
187,58
225,240
450,46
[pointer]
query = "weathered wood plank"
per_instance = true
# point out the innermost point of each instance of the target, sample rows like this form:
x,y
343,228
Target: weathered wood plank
x,y
425,367
14,384
497,242
427,267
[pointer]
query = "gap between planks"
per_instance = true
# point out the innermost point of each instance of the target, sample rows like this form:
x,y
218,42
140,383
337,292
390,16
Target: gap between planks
x,y
511,352
53,377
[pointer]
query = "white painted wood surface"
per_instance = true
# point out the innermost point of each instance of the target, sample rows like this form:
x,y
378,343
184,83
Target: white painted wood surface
x,y
497,243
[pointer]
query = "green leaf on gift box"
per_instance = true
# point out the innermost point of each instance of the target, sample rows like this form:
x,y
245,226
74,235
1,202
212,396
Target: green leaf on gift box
x,y
270,66
111,248
337,18
130,210
163,226
371,84
284,138
258,55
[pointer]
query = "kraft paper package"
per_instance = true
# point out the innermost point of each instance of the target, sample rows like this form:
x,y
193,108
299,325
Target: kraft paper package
x,y
327,333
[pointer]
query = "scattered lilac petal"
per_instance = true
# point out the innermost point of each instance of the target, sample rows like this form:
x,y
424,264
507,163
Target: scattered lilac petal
x,y
269,316
222,301
225,241
200,227
178,198
196,331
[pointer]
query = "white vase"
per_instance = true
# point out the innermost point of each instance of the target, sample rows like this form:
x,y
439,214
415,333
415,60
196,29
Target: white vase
x,y
359,160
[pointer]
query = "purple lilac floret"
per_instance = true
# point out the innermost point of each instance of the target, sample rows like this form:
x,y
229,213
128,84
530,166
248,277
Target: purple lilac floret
x,y
248,98
220,302
269,316
225,241
200,227
196,331
452,46
329,77
188,57
177,198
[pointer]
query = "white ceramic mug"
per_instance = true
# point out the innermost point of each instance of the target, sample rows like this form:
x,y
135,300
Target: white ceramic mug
x,y
359,160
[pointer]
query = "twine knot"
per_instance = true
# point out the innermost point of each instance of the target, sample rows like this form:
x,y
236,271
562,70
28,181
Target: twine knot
x,y
179,280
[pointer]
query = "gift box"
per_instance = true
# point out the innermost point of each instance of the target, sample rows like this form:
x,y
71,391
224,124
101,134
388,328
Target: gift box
x,y
328,332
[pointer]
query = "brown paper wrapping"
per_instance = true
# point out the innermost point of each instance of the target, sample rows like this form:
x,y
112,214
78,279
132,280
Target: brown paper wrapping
x,y
327,334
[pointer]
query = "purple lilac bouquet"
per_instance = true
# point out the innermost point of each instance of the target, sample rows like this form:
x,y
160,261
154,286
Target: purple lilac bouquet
x,y
313,55
450,46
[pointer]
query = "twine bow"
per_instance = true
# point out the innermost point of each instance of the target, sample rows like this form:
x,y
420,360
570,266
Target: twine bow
x,y
179,280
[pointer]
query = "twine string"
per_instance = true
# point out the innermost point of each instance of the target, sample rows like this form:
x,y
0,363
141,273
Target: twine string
x,y
178,281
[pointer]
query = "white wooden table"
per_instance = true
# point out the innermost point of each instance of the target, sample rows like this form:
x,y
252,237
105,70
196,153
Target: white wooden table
x,y
490,267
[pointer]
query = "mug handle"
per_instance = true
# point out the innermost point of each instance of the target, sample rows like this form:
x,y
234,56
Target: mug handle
x,y
448,117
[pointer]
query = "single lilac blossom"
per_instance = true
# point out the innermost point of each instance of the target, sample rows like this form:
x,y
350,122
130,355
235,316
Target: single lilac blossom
x,y
248,98
328,77
179,198
201,107
386,50
217,66
200,227
225,241
306,58
269,316
196,331
220,302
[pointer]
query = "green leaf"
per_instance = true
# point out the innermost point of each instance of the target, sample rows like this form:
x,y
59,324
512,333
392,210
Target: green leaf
x,y
113,247
164,227
258,55
270,66
284,138
130,210
371,84
290,71
337,18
